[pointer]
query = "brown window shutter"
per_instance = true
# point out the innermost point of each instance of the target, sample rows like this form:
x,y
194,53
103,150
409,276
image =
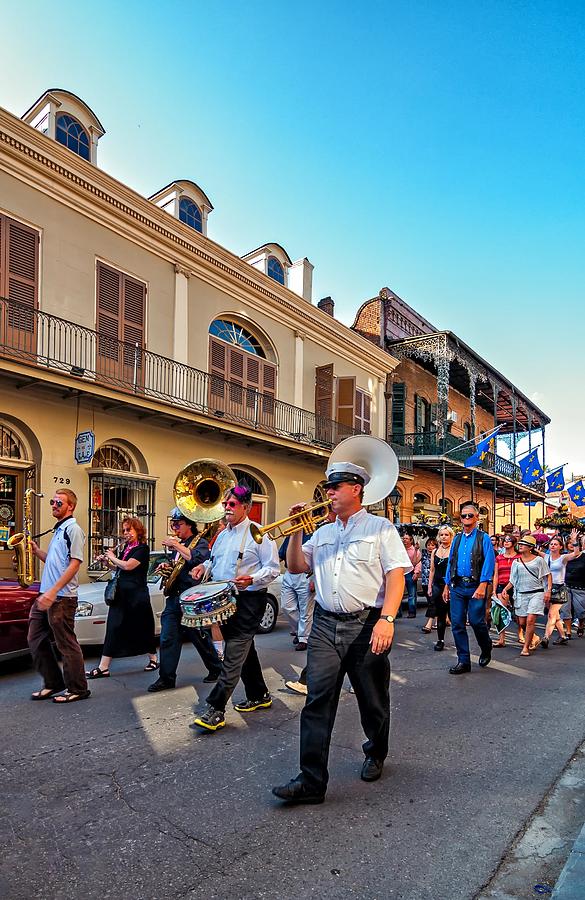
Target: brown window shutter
x,y
346,401
363,412
133,305
324,391
217,357
3,289
21,262
268,383
253,372
109,301
236,365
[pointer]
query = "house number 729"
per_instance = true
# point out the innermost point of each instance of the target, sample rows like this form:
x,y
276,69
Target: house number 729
x,y
58,479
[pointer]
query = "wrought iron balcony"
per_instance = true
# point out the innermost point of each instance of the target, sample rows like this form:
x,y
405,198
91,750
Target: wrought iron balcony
x,y
49,342
429,443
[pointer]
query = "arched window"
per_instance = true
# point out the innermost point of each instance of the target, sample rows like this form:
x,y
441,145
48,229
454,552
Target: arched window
x,y
237,335
421,498
111,457
259,494
10,445
190,214
73,135
467,431
275,270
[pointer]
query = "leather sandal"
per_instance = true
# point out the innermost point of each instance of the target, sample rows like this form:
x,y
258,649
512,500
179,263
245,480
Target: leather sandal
x,y
71,698
98,673
44,694
152,666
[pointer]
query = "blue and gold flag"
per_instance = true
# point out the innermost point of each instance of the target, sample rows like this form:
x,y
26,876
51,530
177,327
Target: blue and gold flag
x,y
555,481
577,493
531,468
482,448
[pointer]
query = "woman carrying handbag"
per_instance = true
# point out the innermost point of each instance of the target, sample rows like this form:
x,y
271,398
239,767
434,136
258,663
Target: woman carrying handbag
x,y
130,625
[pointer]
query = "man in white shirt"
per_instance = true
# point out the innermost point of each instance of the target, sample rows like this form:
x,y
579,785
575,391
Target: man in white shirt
x,y
359,563
236,557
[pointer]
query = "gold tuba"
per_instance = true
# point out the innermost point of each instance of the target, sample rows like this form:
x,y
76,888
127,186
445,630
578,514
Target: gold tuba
x,y
198,492
373,454
21,543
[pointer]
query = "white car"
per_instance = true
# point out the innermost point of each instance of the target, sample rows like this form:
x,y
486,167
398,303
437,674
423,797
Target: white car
x,y
92,612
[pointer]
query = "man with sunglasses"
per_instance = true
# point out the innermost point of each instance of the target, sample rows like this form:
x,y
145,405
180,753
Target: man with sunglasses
x,y
359,563
184,545
470,571
252,567
53,612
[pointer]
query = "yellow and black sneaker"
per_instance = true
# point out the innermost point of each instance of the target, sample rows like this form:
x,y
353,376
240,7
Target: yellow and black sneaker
x,y
211,719
250,705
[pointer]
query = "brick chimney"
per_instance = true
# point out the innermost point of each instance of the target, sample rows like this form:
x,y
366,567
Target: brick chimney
x,y
327,304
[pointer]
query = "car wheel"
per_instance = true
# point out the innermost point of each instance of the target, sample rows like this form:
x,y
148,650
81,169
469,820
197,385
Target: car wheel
x,y
270,616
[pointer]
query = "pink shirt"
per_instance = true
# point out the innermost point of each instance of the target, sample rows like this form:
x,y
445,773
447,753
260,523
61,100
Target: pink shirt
x,y
413,552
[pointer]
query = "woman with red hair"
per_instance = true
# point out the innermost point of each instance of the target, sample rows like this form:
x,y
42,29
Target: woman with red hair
x,y
130,626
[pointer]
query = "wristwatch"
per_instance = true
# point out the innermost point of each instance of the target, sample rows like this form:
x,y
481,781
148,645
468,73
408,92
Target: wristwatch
x,y
388,619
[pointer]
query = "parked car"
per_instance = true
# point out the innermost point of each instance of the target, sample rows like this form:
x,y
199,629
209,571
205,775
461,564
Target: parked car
x,y
92,612
15,604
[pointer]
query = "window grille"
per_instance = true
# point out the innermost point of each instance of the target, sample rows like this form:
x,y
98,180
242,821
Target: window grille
x,y
72,135
111,499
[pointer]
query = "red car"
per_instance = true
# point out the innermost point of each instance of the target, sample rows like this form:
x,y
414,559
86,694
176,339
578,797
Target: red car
x,y
15,604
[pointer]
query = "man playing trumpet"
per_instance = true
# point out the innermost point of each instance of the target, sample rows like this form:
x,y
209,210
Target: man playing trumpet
x,y
359,564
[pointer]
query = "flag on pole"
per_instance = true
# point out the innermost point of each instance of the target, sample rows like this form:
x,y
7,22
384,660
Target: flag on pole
x,y
577,493
555,481
477,457
531,468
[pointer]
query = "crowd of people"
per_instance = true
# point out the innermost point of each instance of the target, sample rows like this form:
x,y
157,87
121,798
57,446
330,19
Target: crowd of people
x,y
342,592
545,579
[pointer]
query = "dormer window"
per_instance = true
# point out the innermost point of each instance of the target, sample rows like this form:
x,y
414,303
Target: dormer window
x,y
275,270
190,214
71,134
186,202
65,118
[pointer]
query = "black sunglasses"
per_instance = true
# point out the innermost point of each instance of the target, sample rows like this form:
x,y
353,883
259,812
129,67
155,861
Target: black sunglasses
x,y
467,515
57,503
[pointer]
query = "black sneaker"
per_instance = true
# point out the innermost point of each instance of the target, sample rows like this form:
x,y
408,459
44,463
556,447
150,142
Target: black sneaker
x,y
440,645
250,705
211,719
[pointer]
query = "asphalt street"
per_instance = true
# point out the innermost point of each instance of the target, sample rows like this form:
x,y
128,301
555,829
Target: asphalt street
x,y
117,797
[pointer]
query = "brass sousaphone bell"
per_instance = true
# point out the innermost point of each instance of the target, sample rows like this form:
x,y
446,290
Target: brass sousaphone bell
x,y
372,454
200,488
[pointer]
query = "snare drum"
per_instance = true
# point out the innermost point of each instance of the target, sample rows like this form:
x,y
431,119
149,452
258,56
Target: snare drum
x,y
208,604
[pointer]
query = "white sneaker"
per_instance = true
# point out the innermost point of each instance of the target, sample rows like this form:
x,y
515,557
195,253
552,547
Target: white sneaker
x,y
297,686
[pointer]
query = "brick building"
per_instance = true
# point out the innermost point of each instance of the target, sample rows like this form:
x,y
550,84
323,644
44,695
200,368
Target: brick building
x,y
440,396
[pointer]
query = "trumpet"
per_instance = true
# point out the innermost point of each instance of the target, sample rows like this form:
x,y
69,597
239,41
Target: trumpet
x,y
306,520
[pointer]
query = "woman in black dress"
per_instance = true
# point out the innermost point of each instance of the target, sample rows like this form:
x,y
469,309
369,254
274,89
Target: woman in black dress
x,y
440,607
130,626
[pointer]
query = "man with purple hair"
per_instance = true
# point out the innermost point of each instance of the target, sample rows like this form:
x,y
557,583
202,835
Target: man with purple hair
x,y
252,567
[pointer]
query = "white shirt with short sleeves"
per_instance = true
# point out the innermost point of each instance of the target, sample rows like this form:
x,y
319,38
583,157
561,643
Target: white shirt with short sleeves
x,y
66,544
259,561
350,563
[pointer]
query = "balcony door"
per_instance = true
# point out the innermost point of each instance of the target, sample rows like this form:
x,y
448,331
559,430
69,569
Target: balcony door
x,y
242,385
121,304
19,275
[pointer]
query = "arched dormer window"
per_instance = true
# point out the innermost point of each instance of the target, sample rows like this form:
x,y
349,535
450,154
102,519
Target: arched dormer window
x,y
190,214
275,270
71,134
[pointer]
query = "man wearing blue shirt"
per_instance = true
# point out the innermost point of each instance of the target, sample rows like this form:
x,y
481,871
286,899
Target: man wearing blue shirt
x,y
470,571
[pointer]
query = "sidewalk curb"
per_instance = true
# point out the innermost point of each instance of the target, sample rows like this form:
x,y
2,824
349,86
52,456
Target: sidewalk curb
x,y
571,882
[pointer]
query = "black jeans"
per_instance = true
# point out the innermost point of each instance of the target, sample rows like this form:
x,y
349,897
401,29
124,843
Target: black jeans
x,y
337,647
171,640
240,659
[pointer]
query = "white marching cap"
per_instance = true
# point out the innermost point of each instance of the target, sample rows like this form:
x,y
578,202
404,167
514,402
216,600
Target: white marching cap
x,y
346,471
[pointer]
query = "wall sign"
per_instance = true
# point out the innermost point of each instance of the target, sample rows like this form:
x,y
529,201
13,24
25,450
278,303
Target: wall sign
x,y
84,447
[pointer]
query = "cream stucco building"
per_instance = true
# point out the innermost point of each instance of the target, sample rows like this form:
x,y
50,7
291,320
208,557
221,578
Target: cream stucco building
x,y
120,317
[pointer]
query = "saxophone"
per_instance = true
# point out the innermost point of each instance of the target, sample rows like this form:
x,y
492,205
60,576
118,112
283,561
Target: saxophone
x,y
21,543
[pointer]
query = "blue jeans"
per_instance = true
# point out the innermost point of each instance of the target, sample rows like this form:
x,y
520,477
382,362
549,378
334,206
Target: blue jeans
x,y
171,640
464,606
411,592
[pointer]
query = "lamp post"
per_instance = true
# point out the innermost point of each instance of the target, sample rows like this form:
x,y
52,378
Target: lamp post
x,y
395,497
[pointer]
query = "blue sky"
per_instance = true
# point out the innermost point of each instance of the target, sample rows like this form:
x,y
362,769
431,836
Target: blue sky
x,y
432,147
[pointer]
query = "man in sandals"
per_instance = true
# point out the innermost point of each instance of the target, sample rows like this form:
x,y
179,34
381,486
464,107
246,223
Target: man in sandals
x,y
53,612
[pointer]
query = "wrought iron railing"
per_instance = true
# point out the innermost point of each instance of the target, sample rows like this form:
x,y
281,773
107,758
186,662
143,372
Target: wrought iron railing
x,y
47,341
430,443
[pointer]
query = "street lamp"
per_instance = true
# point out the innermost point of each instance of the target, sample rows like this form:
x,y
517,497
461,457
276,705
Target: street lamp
x,y
395,497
